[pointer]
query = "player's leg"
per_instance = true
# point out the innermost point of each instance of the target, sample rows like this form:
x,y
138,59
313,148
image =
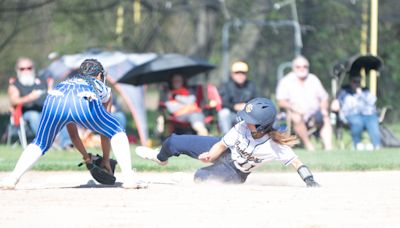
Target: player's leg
x,y
222,171
48,128
54,118
28,157
190,145
92,115
175,145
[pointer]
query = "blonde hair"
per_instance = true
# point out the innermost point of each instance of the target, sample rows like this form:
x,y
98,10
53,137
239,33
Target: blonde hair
x,y
283,138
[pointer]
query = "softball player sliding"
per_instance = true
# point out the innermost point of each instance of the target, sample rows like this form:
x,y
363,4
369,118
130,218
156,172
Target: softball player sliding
x,y
250,143
80,100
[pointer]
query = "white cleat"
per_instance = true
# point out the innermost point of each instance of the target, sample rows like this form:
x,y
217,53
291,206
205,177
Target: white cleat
x,y
8,183
135,184
149,154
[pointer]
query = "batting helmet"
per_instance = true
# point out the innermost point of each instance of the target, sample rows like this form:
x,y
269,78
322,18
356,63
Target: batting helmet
x,y
261,112
91,67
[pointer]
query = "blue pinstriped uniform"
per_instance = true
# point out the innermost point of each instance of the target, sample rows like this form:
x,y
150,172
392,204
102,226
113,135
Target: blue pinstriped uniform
x,y
75,101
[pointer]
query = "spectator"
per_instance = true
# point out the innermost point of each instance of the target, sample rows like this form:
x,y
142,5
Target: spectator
x,y
302,94
181,104
357,108
235,93
30,91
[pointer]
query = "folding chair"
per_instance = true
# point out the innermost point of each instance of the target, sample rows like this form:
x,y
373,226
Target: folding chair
x,y
17,125
353,66
203,96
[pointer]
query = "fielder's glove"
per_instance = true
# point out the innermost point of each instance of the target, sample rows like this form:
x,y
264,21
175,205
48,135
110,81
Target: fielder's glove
x,y
99,173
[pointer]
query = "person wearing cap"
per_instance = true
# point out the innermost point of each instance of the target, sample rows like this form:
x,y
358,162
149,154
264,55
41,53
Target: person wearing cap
x,y
234,94
302,95
251,143
356,106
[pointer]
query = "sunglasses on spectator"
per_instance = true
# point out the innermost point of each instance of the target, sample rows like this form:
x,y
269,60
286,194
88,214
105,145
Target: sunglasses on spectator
x,y
25,68
301,67
239,72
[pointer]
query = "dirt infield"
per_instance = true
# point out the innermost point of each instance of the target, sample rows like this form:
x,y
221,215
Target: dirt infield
x,y
66,199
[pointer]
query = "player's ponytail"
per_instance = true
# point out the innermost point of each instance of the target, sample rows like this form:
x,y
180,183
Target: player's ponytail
x,y
283,138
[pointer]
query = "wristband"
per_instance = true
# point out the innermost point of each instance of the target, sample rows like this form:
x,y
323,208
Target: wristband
x,y
304,172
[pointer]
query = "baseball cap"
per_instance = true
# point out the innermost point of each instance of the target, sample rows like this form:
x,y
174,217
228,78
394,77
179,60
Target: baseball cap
x,y
239,67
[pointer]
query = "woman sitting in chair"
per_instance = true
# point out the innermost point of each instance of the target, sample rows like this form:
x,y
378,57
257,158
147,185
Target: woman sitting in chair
x,y
182,105
358,110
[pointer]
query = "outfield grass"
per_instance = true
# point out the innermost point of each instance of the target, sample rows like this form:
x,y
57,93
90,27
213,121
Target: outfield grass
x,y
338,160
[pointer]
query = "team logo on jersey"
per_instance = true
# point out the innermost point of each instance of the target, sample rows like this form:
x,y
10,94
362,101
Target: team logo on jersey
x,y
249,108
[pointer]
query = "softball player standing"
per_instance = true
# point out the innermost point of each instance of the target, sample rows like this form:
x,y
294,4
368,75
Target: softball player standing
x,y
82,100
250,143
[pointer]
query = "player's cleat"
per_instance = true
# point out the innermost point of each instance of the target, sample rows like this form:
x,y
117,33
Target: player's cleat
x,y
149,154
8,183
134,184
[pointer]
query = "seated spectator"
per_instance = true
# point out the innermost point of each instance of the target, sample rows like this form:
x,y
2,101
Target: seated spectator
x,y
235,93
30,91
357,108
302,94
181,104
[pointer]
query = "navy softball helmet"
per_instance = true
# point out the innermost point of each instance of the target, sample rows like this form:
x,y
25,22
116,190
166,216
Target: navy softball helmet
x,y
260,112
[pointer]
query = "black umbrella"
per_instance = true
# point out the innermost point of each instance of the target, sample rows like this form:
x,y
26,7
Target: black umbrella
x,y
163,67
368,62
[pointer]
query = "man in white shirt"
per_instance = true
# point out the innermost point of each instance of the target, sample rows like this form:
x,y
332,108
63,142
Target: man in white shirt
x,y
302,94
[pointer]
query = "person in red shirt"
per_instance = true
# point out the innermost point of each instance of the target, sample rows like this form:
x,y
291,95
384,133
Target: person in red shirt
x,y
182,105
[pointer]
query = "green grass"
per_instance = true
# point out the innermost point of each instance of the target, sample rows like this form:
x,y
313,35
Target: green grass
x,y
338,160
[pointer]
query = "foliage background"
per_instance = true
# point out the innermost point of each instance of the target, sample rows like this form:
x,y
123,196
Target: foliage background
x,y
330,32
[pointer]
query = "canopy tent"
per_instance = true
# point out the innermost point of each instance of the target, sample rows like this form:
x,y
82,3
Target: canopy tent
x,y
116,64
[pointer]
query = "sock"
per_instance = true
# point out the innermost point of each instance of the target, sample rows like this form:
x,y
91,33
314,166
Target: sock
x,y
120,148
28,157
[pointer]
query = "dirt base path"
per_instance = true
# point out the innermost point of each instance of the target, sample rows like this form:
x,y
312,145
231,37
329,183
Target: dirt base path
x,y
69,199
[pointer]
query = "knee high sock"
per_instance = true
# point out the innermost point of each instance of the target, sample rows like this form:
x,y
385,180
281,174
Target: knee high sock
x,y
28,157
120,148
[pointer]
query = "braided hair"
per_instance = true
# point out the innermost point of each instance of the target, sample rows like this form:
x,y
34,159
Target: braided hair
x,y
92,67
88,70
